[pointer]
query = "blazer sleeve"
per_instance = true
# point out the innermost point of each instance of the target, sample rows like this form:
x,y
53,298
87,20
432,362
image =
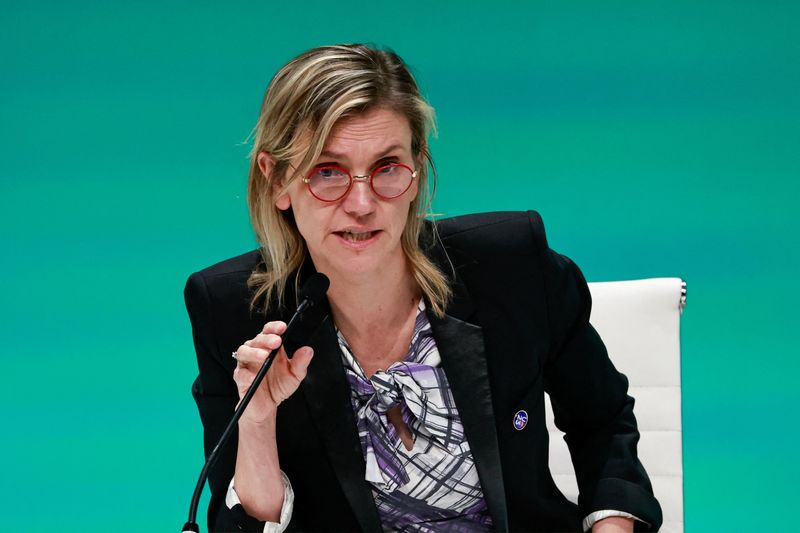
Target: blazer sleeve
x,y
216,396
589,398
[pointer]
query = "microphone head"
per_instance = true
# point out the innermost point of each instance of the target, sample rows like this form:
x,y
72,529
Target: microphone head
x,y
315,288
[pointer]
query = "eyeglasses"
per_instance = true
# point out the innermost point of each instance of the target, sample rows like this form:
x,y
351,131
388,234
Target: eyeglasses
x,y
332,183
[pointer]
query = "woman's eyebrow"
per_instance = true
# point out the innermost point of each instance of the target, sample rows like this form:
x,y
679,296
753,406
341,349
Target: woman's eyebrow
x,y
389,150
338,157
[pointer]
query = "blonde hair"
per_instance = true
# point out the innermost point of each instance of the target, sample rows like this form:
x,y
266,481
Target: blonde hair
x,y
301,106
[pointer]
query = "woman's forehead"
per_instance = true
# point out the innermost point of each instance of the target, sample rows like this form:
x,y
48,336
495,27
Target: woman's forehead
x,y
376,132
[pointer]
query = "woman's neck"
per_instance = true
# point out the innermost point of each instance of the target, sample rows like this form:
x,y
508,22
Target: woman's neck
x,y
370,301
375,314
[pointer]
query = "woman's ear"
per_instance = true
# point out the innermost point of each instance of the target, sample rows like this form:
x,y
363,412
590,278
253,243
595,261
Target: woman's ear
x,y
282,201
266,164
420,158
420,161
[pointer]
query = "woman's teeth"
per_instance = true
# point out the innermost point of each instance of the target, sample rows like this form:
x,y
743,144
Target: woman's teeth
x,y
356,237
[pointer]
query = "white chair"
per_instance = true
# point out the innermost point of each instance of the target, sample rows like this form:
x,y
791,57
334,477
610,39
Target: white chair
x,y
639,322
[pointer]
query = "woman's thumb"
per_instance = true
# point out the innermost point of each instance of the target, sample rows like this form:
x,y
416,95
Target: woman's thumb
x,y
300,361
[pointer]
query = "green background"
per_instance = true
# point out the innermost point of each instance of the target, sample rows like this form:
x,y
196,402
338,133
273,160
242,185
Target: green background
x,y
655,138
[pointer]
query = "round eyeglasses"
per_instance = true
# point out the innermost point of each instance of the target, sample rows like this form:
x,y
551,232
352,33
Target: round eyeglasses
x,y
331,183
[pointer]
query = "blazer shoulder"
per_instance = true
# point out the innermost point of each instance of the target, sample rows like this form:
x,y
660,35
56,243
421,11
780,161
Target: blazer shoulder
x,y
219,295
242,264
499,230
225,280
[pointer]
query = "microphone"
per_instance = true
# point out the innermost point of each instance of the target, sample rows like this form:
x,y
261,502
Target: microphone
x,y
298,328
301,326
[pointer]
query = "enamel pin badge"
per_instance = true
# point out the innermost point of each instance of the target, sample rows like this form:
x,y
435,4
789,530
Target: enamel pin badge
x,y
520,420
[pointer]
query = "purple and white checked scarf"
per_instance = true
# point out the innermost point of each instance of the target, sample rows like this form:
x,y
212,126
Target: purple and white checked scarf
x,y
436,482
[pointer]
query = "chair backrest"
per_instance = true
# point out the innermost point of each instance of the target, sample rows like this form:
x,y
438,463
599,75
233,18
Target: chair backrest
x,y
639,322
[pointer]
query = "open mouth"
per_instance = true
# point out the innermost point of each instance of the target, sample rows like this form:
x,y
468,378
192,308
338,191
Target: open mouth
x,y
351,236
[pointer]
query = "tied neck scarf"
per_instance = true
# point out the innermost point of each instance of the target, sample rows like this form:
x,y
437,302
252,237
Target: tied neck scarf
x,y
420,388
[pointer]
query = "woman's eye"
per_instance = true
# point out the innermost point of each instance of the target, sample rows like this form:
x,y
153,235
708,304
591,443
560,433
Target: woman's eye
x,y
328,173
387,169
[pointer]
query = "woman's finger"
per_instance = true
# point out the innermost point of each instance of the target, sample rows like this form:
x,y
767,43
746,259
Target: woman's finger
x,y
243,377
251,355
270,341
276,326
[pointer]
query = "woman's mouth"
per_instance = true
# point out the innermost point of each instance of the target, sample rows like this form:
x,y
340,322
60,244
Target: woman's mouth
x,y
357,238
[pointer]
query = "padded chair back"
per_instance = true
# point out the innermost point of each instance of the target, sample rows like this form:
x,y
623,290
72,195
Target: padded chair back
x,y
639,322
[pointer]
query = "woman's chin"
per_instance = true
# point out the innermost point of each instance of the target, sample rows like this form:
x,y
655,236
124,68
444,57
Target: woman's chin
x,y
359,268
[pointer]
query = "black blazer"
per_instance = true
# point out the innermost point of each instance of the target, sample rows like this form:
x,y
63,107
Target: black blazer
x,y
517,327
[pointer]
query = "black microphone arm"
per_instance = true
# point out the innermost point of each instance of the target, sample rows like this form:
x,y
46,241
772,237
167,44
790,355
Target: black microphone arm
x,y
310,294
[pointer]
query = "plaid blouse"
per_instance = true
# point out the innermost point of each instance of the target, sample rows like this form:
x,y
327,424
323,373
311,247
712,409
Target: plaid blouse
x,y
434,486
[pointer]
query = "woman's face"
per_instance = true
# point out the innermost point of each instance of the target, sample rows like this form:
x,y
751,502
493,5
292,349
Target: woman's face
x,y
359,234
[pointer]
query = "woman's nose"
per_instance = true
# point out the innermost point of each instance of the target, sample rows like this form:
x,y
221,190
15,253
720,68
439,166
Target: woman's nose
x,y
360,199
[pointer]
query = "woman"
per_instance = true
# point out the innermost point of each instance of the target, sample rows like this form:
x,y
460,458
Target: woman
x,y
418,403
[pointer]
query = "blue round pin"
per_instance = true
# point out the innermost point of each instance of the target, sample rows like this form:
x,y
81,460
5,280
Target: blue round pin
x,y
520,420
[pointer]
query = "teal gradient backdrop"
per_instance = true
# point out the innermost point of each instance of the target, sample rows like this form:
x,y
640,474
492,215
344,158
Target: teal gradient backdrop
x,y
656,139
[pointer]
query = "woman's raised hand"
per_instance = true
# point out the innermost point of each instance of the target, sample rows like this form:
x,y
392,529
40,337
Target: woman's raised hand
x,y
282,379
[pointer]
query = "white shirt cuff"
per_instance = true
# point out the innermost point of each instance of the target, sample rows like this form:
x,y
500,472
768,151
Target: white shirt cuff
x,y
231,499
589,521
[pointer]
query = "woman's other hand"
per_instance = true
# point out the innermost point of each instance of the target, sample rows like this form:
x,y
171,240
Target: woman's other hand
x,y
282,379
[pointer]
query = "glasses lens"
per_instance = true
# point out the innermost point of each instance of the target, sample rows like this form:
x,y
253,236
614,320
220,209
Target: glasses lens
x,y
390,181
328,183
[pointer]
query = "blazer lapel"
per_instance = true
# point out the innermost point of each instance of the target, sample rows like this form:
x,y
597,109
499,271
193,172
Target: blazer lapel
x,y
464,361
328,397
